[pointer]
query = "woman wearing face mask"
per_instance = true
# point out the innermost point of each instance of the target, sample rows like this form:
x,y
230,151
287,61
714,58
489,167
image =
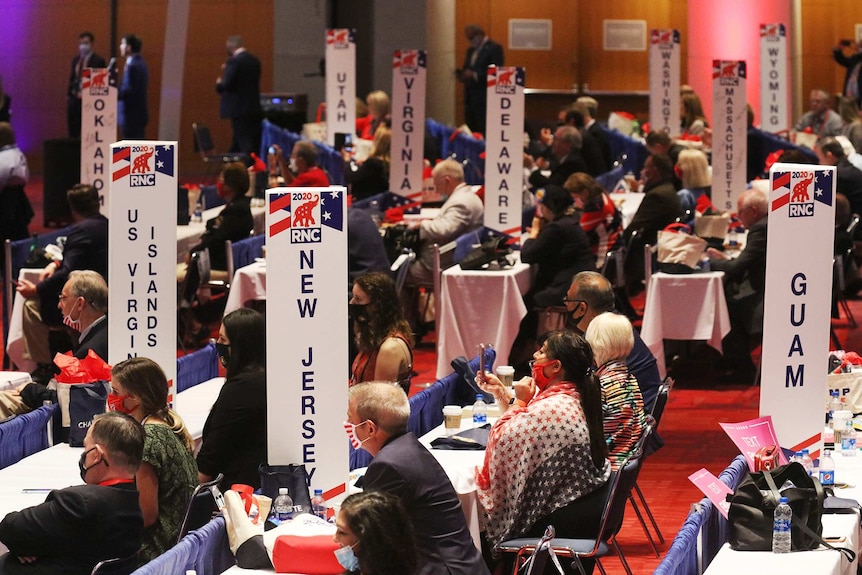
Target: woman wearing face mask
x,y
234,435
168,474
546,460
382,334
375,535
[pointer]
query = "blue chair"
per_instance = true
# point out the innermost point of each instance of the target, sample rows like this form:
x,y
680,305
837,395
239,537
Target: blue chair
x,y
214,554
327,158
244,252
441,134
609,179
24,435
682,557
197,367
632,152
210,197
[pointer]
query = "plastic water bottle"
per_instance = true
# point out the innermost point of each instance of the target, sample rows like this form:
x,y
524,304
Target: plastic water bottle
x,y
848,439
827,469
834,405
198,215
282,507
480,410
806,462
318,507
781,527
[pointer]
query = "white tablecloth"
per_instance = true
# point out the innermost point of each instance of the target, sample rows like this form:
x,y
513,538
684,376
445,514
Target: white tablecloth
x,y
479,307
249,284
628,204
188,236
13,379
684,306
15,340
194,406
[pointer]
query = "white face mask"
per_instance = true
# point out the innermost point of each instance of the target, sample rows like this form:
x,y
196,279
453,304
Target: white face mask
x,y
84,49
72,323
346,558
350,429
291,164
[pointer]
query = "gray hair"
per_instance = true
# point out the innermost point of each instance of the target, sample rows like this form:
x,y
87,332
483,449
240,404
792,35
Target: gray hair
x,y
385,404
596,290
91,286
571,135
450,168
611,337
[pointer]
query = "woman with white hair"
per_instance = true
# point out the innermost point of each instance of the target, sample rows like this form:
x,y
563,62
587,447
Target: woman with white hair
x,y
693,170
611,337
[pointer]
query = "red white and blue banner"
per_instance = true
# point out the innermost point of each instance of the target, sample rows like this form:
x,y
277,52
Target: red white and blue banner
x,y
774,80
796,315
664,55
307,333
409,69
504,145
729,125
340,82
98,128
142,267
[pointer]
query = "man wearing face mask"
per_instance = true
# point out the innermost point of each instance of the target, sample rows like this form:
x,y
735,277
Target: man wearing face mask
x,y
83,302
377,416
85,58
79,526
474,73
301,171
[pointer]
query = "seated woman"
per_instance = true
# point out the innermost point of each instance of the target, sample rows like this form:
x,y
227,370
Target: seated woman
x,y
375,535
611,337
370,176
600,218
560,248
693,170
546,459
234,435
383,336
693,120
168,475
378,114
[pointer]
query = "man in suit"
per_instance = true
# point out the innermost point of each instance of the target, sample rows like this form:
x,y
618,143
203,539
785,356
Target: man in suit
x,y
83,303
86,248
85,58
566,159
853,78
239,86
744,285
79,526
377,415
589,107
132,115
474,74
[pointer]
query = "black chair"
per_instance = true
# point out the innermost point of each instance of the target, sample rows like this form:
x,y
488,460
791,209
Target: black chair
x,y
213,159
541,551
116,566
205,500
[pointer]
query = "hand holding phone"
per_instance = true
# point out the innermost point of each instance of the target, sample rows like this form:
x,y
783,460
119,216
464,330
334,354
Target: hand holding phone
x,y
481,373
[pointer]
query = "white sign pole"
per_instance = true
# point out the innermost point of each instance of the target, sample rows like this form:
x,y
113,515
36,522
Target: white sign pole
x,y
142,267
664,81
729,125
797,303
504,150
774,111
340,83
307,334
408,123
98,128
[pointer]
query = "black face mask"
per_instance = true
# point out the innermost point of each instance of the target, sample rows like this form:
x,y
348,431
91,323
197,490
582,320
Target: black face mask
x,y
358,312
83,468
223,351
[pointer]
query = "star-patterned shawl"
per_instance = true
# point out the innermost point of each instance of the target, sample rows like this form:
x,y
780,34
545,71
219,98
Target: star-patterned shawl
x,y
537,461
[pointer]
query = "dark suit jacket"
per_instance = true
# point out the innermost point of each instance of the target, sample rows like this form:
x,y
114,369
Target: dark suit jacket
x,y
365,251
489,53
443,544
591,152
597,132
95,61
86,249
96,339
850,63
132,97
850,184
74,529
240,86
560,172
233,223
751,263
660,207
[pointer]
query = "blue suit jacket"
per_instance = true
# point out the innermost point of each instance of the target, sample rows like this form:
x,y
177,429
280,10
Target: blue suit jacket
x,y
132,96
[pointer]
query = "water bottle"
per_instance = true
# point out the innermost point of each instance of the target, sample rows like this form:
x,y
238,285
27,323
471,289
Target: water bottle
x,y
827,469
834,405
282,507
480,410
198,215
806,462
781,527
317,505
848,439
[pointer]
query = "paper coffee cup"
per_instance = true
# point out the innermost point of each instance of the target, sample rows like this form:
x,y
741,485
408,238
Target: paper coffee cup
x,y
506,373
452,418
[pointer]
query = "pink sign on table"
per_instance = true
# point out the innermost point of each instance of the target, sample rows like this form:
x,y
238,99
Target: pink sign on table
x,y
751,435
713,488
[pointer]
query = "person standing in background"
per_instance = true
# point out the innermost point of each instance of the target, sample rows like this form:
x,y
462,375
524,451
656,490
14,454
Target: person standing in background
x,y
239,86
5,104
132,98
85,58
853,63
474,73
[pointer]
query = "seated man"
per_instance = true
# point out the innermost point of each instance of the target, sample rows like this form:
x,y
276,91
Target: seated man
x,y
86,248
462,212
301,171
83,303
377,415
849,177
566,158
820,119
744,285
79,526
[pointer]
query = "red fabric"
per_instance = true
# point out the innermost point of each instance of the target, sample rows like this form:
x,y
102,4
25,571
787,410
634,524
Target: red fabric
x,y
314,555
363,127
74,370
313,178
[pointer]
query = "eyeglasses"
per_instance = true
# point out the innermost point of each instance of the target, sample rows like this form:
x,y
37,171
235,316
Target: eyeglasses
x,y
574,301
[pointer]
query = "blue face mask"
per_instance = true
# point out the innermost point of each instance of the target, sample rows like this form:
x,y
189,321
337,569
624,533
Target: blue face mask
x,y
346,558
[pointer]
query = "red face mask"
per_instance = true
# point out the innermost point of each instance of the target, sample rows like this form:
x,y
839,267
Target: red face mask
x,y
539,376
220,189
115,403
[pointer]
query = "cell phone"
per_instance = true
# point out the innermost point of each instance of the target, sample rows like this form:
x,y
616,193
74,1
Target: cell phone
x,y
481,373
272,150
343,141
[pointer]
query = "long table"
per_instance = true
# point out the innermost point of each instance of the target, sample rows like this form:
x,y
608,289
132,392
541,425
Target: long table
x,y
248,284
189,235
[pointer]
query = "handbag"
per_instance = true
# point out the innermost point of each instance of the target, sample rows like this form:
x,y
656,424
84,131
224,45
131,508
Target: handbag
x,y
678,250
399,238
294,477
86,400
753,504
492,250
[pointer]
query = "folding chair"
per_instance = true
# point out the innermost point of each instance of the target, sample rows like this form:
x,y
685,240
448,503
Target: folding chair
x,y
116,566
205,500
214,160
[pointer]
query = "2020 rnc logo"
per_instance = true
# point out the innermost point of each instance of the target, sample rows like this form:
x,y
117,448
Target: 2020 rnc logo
x,y
800,189
141,163
305,213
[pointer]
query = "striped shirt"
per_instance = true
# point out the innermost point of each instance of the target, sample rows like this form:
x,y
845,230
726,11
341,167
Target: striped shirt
x,y
622,410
